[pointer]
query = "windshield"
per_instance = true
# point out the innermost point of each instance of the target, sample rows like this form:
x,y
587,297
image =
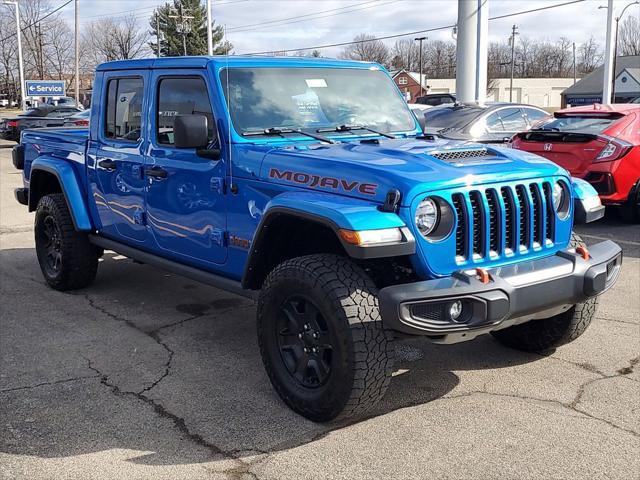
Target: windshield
x,y
580,124
451,117
314,98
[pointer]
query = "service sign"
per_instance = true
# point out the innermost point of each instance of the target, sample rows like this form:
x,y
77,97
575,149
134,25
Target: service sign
x,y
45,88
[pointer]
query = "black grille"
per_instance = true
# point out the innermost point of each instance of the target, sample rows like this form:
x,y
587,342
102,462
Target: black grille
x,y
523,226
450,155
548,224
461,231
495,221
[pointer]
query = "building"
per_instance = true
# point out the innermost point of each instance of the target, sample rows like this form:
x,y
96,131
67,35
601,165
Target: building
x,y
541,92
589,89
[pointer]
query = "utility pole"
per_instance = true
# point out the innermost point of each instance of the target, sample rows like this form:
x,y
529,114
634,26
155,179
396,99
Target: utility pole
x,y
514,32
183,27
574,63
209,32
77,52
23,98
40,52
420,39
157,34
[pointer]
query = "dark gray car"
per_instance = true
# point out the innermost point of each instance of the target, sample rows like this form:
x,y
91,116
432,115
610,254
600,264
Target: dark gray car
x,y
490,123
39,117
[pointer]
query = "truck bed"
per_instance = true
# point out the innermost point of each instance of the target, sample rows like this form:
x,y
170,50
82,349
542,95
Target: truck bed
x,y
67,144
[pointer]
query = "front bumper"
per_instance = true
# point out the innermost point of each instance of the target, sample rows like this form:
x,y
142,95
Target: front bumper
x,y
515,294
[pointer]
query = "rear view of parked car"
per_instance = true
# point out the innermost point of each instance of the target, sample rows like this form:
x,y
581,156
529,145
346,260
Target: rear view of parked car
x,y
598,143
79,119
39,117
491,123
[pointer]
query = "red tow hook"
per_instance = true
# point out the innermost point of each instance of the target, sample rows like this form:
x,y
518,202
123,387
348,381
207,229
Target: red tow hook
x,y
483,275
582,251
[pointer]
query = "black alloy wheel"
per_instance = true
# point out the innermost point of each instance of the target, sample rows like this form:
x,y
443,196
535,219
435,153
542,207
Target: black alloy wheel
x,y
304,342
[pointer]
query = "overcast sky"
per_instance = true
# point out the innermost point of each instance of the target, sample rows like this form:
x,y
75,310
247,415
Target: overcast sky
x,y
332,21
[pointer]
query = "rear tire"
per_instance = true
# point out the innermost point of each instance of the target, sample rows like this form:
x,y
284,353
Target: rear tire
x,y
67,260
548,333
321,337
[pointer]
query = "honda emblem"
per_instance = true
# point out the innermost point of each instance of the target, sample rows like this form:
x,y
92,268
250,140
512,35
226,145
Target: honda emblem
x,y
548,147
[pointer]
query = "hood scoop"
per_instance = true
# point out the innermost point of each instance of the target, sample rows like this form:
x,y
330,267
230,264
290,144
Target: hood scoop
x,y
460,157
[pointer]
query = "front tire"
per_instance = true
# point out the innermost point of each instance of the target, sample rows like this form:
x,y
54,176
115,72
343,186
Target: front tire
x,y
321,337
545,334
67,260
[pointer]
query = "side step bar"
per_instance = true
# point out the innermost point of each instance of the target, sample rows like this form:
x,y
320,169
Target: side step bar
x,y
196,274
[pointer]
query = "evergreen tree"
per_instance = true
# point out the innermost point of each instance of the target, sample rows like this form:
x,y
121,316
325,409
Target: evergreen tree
x,y
184,22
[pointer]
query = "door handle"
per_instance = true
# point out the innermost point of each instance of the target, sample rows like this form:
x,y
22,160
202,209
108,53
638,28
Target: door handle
x,y
107,164
155,172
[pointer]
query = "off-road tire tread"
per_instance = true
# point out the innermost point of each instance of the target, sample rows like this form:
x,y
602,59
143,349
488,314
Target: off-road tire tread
x,y
549,333
353,297
80,257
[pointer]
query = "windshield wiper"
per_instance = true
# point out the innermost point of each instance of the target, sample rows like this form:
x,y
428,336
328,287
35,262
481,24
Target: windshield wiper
x,y
348,128
282,131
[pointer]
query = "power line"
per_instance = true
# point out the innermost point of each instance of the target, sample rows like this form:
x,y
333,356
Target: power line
x,y
416,32
37,21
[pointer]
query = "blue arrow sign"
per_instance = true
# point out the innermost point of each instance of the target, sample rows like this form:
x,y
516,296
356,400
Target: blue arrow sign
x,y
45,88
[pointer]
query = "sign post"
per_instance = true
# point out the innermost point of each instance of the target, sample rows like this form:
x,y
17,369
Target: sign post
x,y
45,88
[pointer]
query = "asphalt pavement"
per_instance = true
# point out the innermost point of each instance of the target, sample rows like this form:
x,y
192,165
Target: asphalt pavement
x,y
147,375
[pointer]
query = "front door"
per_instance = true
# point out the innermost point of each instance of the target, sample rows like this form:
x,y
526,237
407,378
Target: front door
x,y
185,193
116,159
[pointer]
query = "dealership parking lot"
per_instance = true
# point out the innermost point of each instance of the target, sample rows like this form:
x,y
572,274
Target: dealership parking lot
x,y
150,375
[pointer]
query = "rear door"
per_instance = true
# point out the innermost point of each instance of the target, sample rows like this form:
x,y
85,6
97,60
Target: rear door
x,y
118,186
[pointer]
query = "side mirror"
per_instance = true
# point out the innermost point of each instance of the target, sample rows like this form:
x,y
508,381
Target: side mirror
x,y
191,131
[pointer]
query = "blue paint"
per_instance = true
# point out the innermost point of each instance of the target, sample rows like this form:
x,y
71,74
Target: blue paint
x,y
190,215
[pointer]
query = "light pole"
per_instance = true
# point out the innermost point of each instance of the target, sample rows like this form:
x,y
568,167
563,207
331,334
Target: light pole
x,y
77,52
209,32
514,32
20,64
420,39
615,50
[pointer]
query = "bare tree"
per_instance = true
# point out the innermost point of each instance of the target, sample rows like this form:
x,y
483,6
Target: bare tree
x,y
404,54
108,39
589,56
629,36
366,48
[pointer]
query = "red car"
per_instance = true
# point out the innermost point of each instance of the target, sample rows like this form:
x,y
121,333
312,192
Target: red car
x,y
599,143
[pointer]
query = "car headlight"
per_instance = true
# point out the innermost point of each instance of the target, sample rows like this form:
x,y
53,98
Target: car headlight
x,y
427,216
558,196
561,200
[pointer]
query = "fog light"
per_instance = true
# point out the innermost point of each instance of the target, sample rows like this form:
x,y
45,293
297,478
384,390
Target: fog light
x,y
455,310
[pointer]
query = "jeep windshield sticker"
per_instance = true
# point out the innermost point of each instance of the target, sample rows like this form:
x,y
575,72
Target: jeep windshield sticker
x,y
309,108
323,182
316,82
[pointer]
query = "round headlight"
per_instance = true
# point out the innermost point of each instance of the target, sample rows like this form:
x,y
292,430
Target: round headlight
x,y
558,196
427,216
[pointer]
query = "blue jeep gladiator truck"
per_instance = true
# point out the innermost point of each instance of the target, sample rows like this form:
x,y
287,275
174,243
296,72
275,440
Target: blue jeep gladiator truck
x,y
308,185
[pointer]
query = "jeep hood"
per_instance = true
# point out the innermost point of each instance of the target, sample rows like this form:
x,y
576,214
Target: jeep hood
x,y
369,169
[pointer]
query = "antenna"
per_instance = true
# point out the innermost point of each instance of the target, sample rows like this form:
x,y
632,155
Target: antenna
x,y
232,187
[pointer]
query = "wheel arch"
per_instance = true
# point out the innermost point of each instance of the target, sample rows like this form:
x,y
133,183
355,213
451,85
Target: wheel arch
x,y
53,176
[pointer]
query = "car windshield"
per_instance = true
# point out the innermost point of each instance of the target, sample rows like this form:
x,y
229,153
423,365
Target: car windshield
x,y
314,98
451,117
579,124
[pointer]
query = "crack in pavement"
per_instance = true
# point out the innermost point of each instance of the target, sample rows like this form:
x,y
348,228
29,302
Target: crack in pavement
x,y
617,321
44,384
178,422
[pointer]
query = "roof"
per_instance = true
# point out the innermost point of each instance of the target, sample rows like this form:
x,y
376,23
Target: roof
x,y
415,76
623,108
591,84
221,61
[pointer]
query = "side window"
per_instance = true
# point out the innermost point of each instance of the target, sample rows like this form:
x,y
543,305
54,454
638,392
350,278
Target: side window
x,y
534,115
181,96
512,119
124,109
494,123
